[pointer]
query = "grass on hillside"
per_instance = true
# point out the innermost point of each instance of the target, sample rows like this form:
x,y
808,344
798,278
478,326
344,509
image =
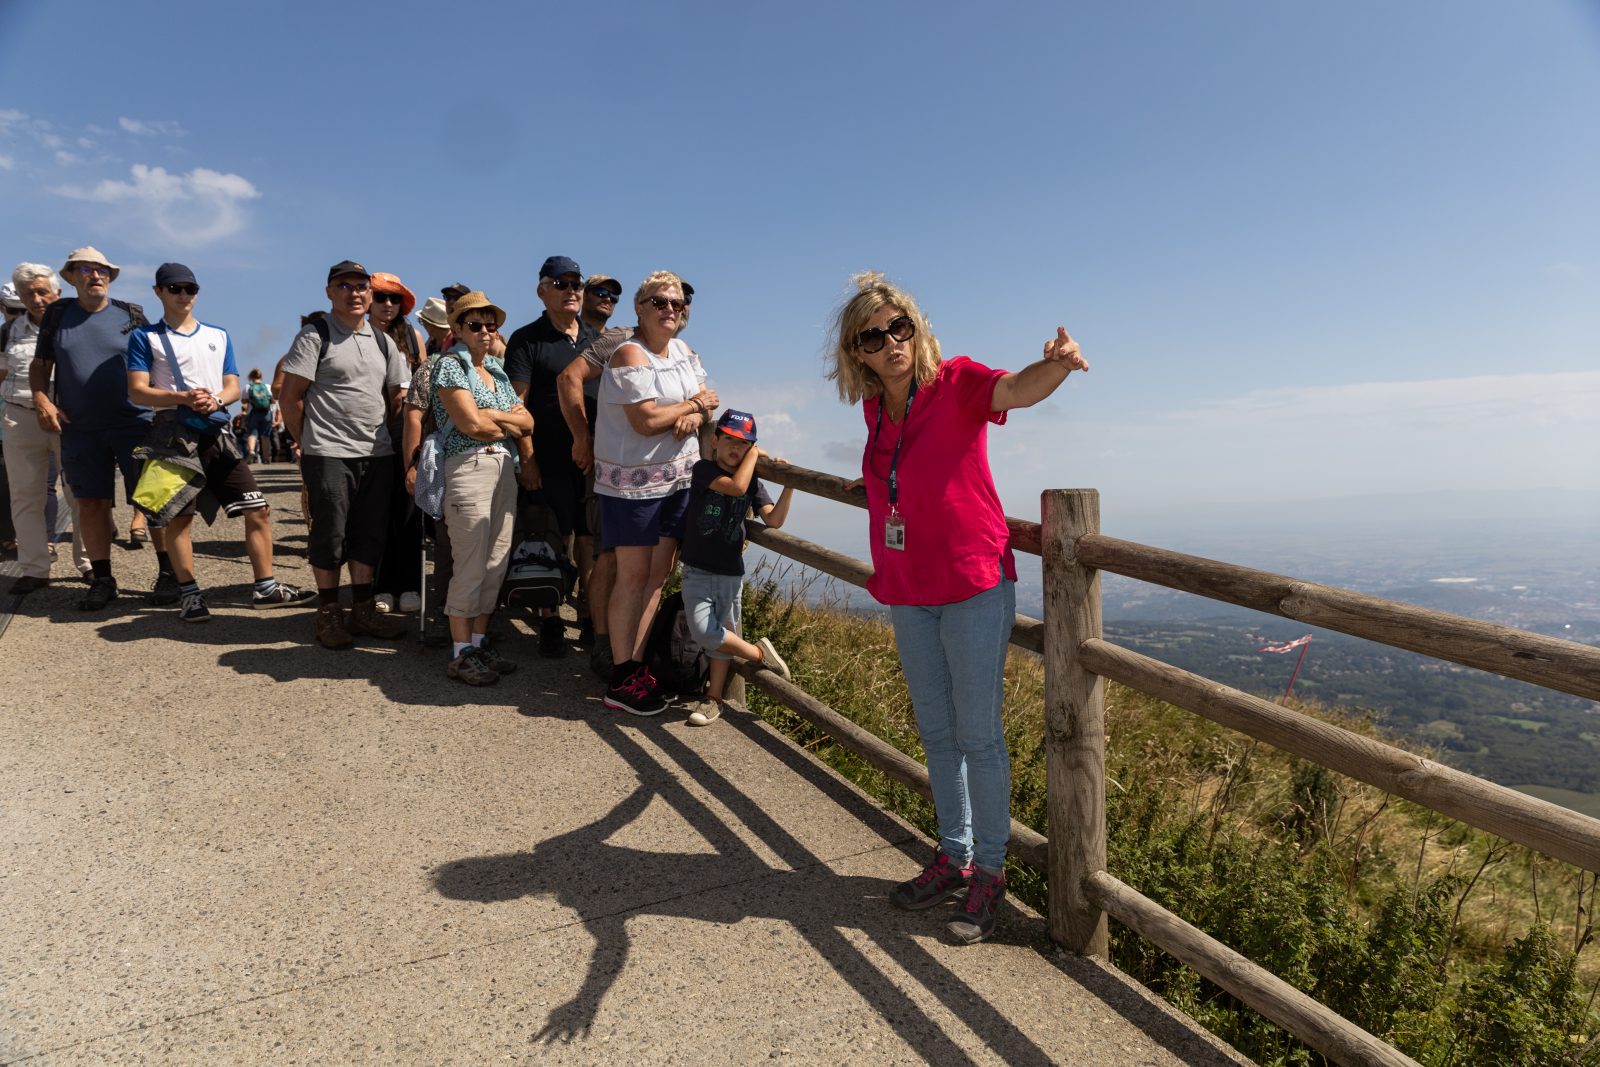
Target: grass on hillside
x,y
1453,945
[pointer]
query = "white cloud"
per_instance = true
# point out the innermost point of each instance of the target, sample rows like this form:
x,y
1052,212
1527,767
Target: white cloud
x,y
8,162
151,127
197,208
65,158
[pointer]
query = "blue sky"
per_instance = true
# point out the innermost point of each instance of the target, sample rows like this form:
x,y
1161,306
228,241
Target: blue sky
x,y
1310,250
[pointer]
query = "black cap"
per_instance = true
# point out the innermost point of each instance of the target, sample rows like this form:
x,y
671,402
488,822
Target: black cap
x,y
556,266
174,274
455,291
347,266
688,293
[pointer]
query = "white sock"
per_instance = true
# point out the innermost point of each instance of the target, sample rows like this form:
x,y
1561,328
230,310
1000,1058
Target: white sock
x,y
477,640
462,647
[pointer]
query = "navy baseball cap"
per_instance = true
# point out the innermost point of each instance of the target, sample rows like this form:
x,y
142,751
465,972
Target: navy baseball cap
x,y
455,291
175,274
740,424
556,266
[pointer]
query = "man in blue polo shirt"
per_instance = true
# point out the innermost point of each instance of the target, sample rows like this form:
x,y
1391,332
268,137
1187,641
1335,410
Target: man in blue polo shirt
x,y
185,369
536,354
83,343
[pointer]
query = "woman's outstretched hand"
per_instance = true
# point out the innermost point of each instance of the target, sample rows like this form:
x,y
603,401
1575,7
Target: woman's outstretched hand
x,y
1063,349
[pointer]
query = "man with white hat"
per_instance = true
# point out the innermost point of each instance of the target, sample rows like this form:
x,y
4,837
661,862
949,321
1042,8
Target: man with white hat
x,y
83,343
434,320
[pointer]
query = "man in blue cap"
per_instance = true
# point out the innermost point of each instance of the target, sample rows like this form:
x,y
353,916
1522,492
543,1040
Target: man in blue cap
x,y
185,370
536,354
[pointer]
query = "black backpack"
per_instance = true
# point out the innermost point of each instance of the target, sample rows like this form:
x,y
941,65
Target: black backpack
x,y
540,575
680,665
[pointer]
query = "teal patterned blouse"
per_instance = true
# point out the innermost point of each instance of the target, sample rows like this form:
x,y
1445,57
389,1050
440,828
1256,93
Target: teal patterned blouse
x,y
448,373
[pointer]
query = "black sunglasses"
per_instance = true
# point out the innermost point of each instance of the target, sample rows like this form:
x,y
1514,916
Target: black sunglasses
x,y
604,294
14,311
388,298
899,329
661,303
478,325
182,287
563,284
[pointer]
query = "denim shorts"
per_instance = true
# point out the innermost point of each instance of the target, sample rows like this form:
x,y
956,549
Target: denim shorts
x,y
712,604
628,523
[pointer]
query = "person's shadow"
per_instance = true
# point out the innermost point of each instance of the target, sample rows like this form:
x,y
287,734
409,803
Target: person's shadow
x,y
606,884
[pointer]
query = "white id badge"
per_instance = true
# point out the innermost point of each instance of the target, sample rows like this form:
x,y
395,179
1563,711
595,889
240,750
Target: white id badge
x,y
894,532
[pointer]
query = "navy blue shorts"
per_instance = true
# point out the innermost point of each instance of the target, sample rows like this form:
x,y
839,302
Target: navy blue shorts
x,y
91,458
642,523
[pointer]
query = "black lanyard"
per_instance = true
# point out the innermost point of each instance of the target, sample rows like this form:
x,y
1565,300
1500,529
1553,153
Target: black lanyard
x,y
894,461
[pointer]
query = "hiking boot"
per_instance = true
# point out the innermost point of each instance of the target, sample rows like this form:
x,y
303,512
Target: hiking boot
x,y
165,591
636,695
772,661
552,637
705,712
331,631
939,881
365,621
28,584
492,659
192,608
471,668
102,591
282,596
975,922
600,661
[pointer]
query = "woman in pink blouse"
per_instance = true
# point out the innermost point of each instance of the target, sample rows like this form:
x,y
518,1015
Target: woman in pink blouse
x,y
942,562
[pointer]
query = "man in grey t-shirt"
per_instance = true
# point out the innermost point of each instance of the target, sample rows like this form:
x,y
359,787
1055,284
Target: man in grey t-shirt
x,y
342,382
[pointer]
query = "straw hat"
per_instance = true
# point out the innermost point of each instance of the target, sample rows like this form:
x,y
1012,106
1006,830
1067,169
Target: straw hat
x,y
88,254
432,313
476,301
388,283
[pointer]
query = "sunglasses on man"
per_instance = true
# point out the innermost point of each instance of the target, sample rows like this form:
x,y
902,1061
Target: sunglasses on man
x,y
566,283
182,287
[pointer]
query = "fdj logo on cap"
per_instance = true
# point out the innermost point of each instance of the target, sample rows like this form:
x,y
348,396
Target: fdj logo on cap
x,y
738,424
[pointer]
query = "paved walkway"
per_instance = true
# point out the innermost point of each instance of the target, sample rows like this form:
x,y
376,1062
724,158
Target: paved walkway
x,y
220,844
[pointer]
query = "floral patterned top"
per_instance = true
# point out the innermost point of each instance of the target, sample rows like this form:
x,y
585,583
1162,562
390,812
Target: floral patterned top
x,y
453,370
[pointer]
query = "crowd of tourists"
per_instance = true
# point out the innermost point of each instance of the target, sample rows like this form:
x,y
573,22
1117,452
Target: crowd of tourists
x,y
448,433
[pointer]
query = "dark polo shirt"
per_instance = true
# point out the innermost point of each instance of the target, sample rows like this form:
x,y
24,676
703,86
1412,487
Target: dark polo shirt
x,y
536,354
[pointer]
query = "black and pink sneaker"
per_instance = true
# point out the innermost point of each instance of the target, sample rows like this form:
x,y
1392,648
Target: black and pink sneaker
x,y
636,694
939,881
975,921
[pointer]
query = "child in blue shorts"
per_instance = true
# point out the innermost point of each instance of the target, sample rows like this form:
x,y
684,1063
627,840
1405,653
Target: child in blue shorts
x,y
722,493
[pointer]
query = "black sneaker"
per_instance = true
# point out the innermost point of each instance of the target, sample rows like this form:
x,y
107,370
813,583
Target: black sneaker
x,y
193,608
975,921
552,637
938,882
165,591
282,596
102,591
635,695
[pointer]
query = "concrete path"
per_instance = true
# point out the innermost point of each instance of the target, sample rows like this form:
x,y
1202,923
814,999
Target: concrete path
x,y
220,844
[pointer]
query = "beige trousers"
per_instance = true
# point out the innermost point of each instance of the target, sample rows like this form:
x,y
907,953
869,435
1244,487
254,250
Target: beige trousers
x,y
480,502
29,450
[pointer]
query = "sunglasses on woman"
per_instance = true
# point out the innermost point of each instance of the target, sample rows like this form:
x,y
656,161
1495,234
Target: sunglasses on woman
x,y
873,340
661,303
388,298
478,326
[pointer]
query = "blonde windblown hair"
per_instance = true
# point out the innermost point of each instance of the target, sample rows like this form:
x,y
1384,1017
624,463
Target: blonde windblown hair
x,y
856,381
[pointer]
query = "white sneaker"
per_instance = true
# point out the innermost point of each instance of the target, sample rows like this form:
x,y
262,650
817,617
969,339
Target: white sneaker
x,y
410,603
384,603
705,712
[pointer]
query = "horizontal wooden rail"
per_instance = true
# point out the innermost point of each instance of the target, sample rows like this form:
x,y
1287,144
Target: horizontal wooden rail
x,y
1025,536
1323,1029
1547,661
1538,824
1027,845
1027,633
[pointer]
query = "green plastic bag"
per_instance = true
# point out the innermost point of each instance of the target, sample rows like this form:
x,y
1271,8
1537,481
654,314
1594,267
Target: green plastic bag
x,y
159,482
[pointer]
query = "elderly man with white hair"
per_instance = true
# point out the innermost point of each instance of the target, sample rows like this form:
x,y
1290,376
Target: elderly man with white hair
x,y
33,456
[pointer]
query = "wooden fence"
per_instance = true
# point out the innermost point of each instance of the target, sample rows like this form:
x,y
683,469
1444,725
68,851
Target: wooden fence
x,y
1077,659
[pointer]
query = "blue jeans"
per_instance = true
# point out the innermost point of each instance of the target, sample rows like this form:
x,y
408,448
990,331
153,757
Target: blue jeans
x,y
954,656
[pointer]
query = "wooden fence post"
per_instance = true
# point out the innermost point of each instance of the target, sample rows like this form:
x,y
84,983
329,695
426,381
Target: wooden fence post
x,y
1074,721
